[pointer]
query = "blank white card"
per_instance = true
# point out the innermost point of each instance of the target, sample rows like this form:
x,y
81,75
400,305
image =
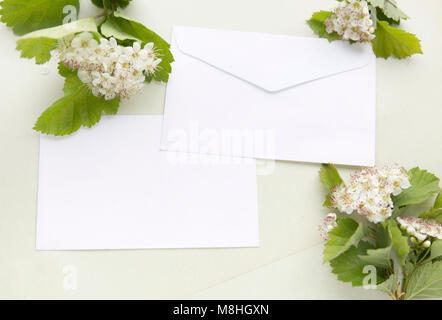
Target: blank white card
x,y
110,187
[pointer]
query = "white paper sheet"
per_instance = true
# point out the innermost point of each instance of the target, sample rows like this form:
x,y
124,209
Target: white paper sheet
x,y
270,96
110,187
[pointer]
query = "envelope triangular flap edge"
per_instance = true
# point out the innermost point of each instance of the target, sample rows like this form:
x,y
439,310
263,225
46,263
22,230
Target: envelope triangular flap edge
x,y
271,62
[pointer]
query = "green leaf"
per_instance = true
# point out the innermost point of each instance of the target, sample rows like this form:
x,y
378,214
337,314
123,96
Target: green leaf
x,y
349,267
380,15
390,9
99,3
329,176
398,212
438,201
79,107
118,3
400,242
436,249
316,23
390,285
393,41
346,234
39,43
409,266
425,282
64,30
40,48
423,186
29,15
125,29
434,213
383,236
379,257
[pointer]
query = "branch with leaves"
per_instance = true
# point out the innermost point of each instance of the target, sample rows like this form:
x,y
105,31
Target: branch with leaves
x,y
103,59
373,21
404,250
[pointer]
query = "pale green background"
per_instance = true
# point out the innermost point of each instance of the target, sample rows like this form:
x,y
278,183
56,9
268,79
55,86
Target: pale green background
x,y
409,132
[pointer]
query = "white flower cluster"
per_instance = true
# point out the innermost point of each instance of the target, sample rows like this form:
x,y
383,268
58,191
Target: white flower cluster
x,y
109,70
369,192
327,225
352,21
422,231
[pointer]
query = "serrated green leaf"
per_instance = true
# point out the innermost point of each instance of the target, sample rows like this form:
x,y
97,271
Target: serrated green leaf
x,y
377,257
397,212
100,4
83,25
329,176
39,43
393,41
400,242
79,107
346,234
390,9
38,48
316,23
122,28
25,16
390,285
380,257
117,3
434,213
382,236
409,267
423,186
380,15
436,249
349,267
64,30
438,201
425,282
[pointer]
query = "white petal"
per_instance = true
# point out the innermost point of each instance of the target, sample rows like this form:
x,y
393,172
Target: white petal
x,y
137,46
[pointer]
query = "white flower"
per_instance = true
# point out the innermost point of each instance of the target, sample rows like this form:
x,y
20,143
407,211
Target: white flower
x,y
84,75
369,192
421,229
352,21
83,41
110,70
152,65
328,224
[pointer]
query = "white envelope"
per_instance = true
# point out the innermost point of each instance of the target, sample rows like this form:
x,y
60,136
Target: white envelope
x,y
270,96
110,187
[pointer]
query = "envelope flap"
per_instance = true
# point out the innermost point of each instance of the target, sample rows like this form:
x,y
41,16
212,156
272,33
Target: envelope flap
x,y
271,62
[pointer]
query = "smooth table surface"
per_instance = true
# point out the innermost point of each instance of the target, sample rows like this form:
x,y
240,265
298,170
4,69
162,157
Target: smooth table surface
x,y
409,132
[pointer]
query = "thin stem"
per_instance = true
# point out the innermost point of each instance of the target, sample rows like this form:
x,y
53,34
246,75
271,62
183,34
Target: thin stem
x,y
416,265
406,282
423,262
425,255
99,15
105,7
